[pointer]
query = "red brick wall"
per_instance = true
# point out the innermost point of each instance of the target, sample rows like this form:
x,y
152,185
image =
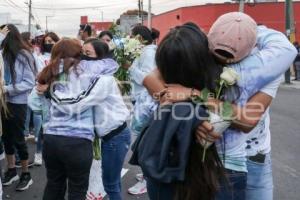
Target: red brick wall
x,y
269,14
83,19
101,26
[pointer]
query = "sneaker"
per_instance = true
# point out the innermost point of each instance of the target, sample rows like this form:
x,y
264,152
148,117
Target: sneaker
x,y
38,160
139,188
25,182
10,176
139,177
29,137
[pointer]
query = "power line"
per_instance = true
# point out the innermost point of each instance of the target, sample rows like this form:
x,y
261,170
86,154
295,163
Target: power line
x,y
15,6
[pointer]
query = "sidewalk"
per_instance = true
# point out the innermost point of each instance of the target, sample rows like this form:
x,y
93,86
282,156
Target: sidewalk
x,y
293,85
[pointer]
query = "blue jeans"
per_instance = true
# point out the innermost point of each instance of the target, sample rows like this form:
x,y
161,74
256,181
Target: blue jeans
x,y
260,180
113,155
37,125
159,191
237,186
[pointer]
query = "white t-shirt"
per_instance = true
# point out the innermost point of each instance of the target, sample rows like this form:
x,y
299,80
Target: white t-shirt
x,y
42,60
259,139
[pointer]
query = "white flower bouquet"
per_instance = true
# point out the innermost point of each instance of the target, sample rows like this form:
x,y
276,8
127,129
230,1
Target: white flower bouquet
x,y
125,53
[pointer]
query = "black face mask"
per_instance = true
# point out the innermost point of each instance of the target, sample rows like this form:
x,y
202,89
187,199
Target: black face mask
x,y
88,58
48,47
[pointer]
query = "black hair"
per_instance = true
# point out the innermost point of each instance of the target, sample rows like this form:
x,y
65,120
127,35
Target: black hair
x,y
144,32
183,57
101,48
103,33
13,46
192,24
86,28
155,33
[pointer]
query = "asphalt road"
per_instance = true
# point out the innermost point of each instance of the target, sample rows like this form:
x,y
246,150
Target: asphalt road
x,y
285,129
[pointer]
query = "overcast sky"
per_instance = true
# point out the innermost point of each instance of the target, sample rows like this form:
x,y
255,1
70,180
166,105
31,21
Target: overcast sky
x,y
65,17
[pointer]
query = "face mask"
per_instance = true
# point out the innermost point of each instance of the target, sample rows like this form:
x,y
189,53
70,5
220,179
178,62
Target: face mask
x,y
48,47
88,58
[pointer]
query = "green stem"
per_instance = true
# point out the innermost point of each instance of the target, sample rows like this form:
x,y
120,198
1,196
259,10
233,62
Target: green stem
x,y
204,152
220,89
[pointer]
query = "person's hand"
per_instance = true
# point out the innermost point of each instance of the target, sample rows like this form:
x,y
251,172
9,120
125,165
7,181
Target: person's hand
x,y
126,65
4,31
176,93
41,89
205,132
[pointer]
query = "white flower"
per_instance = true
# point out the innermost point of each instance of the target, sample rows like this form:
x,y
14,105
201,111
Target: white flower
x,y
229,76
132,47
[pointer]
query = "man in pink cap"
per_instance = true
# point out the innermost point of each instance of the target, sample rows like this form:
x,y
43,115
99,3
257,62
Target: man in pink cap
x,y
260,56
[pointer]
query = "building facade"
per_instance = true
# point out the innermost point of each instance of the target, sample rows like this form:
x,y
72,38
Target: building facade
x,y
97,27
270,14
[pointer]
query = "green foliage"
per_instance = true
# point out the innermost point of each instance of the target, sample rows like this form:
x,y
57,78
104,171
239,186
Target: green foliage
x,y
96,149
123,80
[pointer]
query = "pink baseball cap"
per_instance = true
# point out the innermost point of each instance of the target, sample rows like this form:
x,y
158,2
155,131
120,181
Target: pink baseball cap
x,y
232,36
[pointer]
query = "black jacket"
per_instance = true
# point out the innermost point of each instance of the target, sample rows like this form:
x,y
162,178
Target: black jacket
x,y
162,149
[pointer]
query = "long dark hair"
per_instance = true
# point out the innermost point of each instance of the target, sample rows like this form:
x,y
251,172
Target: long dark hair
x,y
101,48
183,57
66,51
14,46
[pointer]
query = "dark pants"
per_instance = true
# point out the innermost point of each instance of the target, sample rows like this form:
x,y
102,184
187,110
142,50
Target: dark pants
x,y
236,190
159,191
13,127
67,159
113,155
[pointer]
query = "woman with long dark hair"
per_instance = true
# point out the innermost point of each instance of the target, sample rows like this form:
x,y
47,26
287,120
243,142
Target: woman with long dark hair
x,y
19,75
183,57
48,41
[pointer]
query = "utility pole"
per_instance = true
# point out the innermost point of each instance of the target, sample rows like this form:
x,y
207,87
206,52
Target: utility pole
x,y
142,11
290,31
29,16
102,18
242,6
47,23
149,15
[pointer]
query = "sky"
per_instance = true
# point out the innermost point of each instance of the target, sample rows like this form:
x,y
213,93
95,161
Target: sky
x,y
64,16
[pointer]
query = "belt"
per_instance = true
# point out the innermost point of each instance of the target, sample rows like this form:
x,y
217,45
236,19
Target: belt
x,y
114,132
259,158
